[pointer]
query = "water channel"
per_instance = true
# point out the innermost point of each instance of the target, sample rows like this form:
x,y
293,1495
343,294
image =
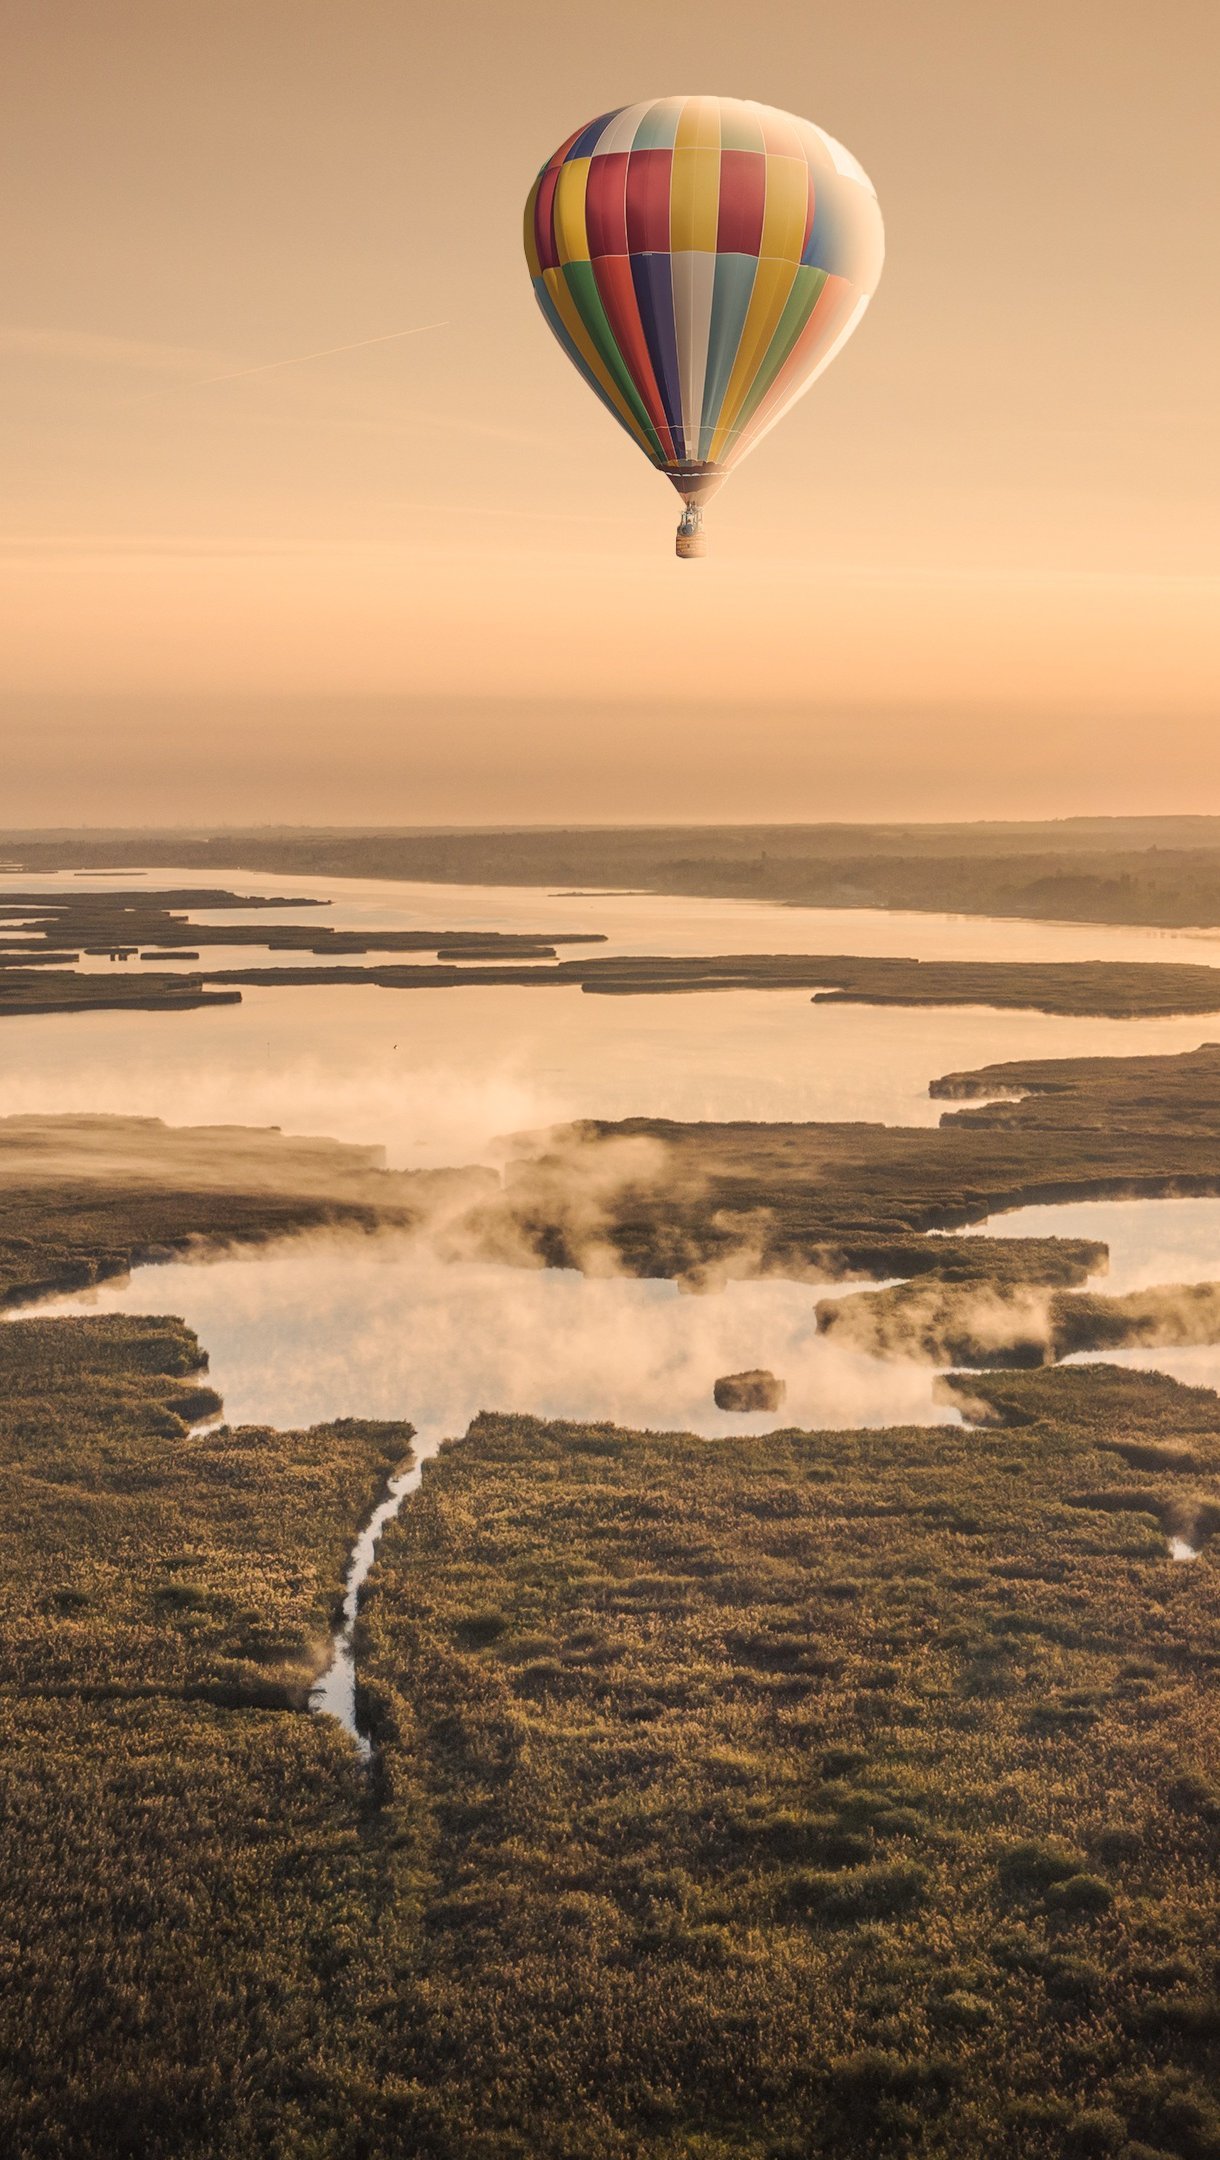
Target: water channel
x,y
346,1325
436,1076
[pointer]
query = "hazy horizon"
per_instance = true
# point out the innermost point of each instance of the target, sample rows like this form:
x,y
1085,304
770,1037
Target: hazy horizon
x,y
609,1165
386,762
265,553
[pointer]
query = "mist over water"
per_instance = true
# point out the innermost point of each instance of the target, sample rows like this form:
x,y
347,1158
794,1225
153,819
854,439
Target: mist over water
x,y
386,1327
334,1325
342,1324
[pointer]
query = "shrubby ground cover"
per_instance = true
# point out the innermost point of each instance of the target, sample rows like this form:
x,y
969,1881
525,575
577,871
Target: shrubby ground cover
x,y
821,1794
711,1199
184,1882
839,1793
83,1197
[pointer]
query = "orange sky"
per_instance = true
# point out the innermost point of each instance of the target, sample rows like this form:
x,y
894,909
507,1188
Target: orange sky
x,y
975,573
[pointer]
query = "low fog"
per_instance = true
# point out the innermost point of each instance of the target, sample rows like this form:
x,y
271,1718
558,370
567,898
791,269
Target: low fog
x,y
331,1325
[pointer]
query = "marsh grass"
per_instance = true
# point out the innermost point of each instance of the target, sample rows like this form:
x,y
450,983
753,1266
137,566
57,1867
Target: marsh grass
x,y
188,1877
820,1794
707,1856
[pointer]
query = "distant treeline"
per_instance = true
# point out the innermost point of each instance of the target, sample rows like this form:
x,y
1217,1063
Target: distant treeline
x,y
1161,871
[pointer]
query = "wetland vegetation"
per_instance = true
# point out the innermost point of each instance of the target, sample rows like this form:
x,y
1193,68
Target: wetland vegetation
x,y
182,1873
814,1793
841,1199
803,1795
116,922
1099,989
81,1197
86,1198
48,932
992,1323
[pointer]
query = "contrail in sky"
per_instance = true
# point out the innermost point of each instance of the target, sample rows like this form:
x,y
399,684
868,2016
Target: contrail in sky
x,y
298,359
265,367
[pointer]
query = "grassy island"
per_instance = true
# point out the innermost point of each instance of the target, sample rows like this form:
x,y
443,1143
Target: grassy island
x,y
40,931
702,1200
90,1197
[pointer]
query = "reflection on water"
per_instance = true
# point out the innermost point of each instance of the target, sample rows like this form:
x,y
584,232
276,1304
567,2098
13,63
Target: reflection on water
x,y
436,1075
339,1324
1150,1241
1195,1364
212,959
325,1327
649,922
352,1326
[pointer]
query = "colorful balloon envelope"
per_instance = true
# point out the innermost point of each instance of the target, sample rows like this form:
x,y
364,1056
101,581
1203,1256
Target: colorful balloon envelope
x,y
701,260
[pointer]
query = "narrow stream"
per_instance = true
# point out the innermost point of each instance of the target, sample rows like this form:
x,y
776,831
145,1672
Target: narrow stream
x,y
336,1324
334,1695
342,1323
349,1325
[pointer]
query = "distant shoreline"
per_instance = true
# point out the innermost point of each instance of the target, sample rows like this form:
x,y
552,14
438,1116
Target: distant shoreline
x,y
1157,872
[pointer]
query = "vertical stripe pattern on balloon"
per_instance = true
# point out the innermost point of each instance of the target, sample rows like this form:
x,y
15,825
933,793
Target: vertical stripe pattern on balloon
x,y
700,260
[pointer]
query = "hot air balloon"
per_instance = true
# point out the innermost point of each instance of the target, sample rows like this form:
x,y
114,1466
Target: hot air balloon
x,y
701,260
